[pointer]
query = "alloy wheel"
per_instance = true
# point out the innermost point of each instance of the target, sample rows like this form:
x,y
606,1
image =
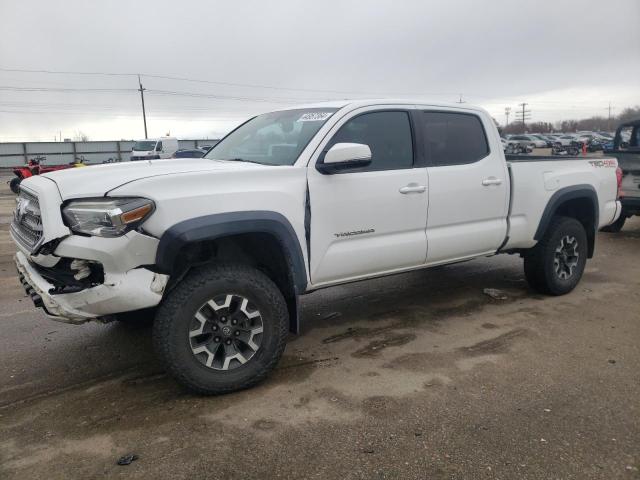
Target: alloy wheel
x,y
226,332
566,257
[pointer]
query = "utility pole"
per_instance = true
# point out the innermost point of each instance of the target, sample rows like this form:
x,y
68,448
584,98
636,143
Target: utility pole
x,y
609,119
507,111
523,116
144,114
460,100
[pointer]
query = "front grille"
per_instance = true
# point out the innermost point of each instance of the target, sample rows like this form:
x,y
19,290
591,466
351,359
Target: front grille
x,y
26,225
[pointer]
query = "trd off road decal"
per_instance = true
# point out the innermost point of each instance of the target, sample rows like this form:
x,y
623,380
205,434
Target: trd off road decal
x,y
609,163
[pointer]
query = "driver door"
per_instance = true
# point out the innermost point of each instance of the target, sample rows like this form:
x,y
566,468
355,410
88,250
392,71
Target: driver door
x,y
369,220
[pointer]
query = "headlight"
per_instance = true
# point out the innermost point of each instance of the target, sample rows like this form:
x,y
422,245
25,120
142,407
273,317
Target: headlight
x,y
108,217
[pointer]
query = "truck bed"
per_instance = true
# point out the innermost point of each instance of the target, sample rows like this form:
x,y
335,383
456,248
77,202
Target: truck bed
x,y
535,179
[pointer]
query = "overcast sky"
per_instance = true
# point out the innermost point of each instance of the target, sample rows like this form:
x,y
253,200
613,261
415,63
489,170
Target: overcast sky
x,y
566,58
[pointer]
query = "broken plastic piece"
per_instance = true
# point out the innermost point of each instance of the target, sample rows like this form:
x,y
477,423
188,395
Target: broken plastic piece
x,y
127,459
495,293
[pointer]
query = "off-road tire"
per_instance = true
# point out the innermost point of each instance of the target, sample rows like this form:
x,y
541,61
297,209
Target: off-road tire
x,y
616,226
14,185
175,315
539,267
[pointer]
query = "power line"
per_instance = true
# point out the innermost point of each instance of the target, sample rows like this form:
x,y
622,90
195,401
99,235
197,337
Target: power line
x,y
132,115
12,88
248,85
231,97
214,82
101,109
59,72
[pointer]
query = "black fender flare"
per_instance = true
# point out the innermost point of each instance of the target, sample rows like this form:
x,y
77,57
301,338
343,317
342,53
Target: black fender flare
x,y
211,227
563,195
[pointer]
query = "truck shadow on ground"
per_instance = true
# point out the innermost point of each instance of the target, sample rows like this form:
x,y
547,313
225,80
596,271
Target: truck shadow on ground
x,y
384,312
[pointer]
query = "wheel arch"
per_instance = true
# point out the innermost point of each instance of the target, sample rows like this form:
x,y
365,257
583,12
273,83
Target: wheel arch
x,y
263,238
577,201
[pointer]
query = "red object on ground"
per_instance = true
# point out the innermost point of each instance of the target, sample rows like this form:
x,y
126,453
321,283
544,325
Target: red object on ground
x,y
35,168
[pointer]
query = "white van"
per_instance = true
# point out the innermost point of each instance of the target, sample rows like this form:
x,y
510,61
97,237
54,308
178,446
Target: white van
x,y
154,148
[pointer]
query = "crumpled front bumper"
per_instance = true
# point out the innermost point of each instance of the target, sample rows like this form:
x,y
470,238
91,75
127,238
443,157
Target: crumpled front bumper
x,y
134,290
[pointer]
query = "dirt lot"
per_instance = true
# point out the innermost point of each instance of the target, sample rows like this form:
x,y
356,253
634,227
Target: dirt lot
x,y
418,375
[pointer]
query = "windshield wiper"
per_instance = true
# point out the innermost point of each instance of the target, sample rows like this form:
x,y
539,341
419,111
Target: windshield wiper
x,y
243,160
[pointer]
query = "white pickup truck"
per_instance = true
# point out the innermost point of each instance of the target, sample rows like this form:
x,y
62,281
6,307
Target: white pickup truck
x,y
221,248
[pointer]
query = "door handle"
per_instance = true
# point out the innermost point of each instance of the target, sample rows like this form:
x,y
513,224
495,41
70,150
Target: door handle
x,y
413,188
491,181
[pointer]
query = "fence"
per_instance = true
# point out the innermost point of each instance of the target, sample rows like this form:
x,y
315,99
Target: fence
x,y
16,154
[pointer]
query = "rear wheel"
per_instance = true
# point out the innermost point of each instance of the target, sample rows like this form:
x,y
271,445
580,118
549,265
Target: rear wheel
x,y
222,329
14,185
616,226
556,264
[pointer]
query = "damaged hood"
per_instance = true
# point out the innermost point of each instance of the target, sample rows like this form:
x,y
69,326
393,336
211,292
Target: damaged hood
x,y
97,180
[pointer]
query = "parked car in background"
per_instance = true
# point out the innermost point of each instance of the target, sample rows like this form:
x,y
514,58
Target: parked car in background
x,y
222,247
628,155
547,143
515,148
154,148
608,145
571,150
566,140
529,140
208,146
190,153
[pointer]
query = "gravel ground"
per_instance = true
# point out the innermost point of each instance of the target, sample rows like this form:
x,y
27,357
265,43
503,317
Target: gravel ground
x,y
418,375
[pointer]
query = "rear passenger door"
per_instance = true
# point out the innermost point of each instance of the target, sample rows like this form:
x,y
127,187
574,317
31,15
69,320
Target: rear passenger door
x,y
468,186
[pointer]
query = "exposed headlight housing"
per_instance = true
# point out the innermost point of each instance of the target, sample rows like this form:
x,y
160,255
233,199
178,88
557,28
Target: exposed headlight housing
x,y
107,217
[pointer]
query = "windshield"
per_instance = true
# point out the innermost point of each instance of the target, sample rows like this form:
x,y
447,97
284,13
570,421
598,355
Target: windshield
x,y
144,146
275,138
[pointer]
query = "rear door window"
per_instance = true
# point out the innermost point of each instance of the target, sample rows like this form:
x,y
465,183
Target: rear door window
x,y
453,138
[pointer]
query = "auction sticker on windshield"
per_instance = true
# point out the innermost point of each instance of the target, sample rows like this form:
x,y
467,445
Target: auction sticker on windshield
x,y
314,116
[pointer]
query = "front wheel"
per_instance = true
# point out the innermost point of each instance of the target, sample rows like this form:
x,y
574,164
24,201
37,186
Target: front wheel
x,y
14,185
556,264
222,329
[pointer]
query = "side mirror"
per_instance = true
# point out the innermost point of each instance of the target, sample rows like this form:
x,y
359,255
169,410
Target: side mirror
x,y
344,156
